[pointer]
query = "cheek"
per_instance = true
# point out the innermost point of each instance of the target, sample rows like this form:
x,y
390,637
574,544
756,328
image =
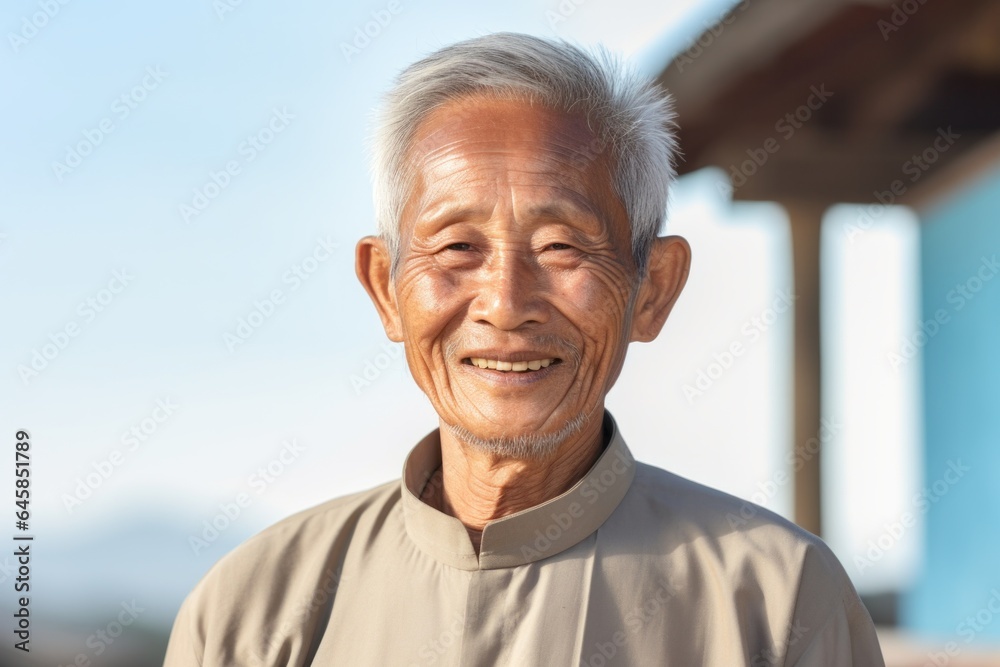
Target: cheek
x,y
430,299
597,305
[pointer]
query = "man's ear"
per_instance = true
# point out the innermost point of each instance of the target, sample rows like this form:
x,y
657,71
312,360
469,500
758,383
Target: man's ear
x,y
669,263
372,265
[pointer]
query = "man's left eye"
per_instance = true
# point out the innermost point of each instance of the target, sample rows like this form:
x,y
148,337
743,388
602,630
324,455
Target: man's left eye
x,y
559,246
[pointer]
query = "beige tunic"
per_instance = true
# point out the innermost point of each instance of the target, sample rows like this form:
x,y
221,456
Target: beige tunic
x,y
631,566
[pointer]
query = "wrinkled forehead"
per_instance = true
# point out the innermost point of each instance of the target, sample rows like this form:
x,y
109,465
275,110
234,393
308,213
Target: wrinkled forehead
x,y
477,120
471,143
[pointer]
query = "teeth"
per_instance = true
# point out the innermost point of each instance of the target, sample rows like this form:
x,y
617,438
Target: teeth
x,y
515,366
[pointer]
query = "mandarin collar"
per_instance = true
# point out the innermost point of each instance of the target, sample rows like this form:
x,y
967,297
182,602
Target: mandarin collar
x,y
527,536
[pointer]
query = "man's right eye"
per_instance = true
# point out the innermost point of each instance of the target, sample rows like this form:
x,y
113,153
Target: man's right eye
x,y
459,246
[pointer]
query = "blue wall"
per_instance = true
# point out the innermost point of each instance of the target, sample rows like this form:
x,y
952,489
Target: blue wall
x,y
957,597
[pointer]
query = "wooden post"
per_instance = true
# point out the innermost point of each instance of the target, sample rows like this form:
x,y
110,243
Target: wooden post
x,y
805,219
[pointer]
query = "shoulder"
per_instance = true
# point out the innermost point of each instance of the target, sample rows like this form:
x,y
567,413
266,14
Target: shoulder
x,y
299,532
737,536
698,507
281,571
758,563
735,561
702,508
301,536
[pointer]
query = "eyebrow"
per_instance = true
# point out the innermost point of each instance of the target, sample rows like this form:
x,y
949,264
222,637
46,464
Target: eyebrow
x,y
573,209
442,214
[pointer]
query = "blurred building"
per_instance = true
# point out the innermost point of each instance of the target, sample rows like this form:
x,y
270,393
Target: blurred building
x,y
811,104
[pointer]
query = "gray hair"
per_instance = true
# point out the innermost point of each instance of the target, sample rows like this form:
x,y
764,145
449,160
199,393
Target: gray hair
x,y
632,117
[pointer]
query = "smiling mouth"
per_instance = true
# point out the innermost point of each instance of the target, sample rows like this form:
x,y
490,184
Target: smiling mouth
x,y
512,366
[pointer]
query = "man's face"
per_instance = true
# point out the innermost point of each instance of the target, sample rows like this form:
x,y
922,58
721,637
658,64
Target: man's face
x,y
515,252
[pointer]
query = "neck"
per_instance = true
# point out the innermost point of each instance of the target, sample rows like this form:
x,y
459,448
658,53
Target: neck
x,y
477,487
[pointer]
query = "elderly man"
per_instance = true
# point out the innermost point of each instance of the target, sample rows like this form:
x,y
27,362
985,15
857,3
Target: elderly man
x,y
520,186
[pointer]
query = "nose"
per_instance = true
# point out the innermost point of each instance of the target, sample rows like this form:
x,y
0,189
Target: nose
x,y
509,291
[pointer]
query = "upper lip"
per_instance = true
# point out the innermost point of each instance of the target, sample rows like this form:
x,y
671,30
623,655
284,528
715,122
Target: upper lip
x,y
509,355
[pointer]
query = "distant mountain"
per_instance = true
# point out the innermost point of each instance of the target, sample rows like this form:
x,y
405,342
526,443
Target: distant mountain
x,y
85,577
138,568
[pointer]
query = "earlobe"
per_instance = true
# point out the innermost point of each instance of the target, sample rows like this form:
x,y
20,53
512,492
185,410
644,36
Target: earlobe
x,y
373,265
669,264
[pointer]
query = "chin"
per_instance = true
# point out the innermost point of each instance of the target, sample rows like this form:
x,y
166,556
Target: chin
x,y
520,442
